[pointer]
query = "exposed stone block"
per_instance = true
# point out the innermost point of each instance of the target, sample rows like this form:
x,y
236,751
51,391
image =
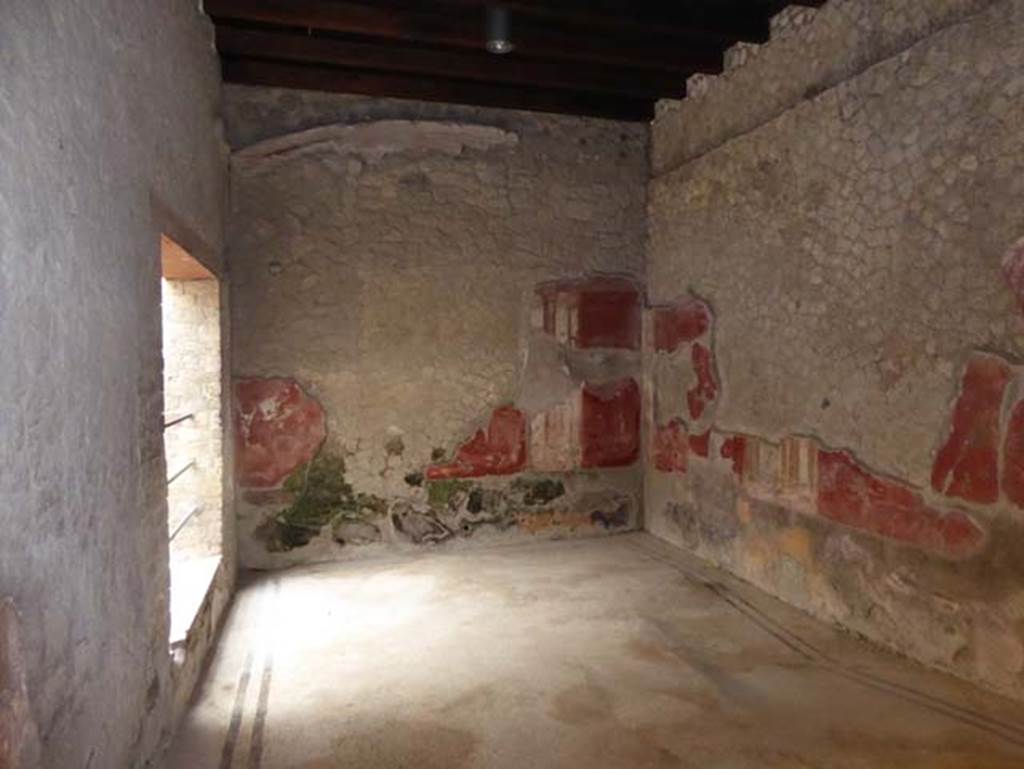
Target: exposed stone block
x,y
419,526
967,464
500,450
854,497
278,428
610,427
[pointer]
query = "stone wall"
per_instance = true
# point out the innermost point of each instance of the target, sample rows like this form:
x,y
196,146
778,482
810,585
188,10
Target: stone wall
x,y
437,323
110,136
192,386
811,51
834,348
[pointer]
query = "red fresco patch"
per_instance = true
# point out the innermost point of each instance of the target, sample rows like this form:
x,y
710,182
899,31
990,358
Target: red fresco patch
x,y
967,465
671,447
608,314
705,390
278,428
1013,456
500,450
851,496
1013,271
680,323
610,428
700,445
735,448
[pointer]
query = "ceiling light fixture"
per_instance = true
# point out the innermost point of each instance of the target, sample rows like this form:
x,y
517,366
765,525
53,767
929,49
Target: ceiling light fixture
x,y
498,40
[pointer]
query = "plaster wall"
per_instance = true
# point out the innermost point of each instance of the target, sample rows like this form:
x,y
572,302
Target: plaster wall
x,y
392,267
110,136
851,242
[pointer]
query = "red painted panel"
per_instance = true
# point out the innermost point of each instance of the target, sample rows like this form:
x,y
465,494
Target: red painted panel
x,y
851,496
610,425
735,448
700,445
608,314
278,428
501,450
1013,456
705,390
967,465
680,323
671,447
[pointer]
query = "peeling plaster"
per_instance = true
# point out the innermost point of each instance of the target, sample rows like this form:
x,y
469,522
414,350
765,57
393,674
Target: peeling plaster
x,y
848,218
374,140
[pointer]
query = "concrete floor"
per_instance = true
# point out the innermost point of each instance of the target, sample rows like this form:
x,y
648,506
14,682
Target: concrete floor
x,y
616,652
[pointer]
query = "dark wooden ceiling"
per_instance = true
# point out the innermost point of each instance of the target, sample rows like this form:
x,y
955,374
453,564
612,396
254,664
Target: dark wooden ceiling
x,y
609,58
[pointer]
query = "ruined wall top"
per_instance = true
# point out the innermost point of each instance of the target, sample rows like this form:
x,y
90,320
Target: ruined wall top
x,y
811,50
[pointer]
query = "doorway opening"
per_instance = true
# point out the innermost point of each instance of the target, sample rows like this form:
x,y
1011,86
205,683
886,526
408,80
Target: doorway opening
x,y
193,432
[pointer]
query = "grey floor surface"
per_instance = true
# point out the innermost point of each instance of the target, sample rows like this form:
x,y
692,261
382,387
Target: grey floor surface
x,y
614,652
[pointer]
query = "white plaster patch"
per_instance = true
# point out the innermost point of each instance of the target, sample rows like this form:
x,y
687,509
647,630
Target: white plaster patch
x,y
374,140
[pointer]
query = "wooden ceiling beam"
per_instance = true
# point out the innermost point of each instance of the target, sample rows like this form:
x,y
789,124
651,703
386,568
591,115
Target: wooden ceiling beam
x,y
252,71
460,30
462,65
723,23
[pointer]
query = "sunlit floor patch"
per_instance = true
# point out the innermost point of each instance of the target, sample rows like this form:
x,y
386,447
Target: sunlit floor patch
x,y
616,652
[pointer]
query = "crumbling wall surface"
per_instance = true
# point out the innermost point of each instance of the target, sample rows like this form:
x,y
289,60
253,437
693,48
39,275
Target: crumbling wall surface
x,y
109,137
436,324
811,50
833,354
